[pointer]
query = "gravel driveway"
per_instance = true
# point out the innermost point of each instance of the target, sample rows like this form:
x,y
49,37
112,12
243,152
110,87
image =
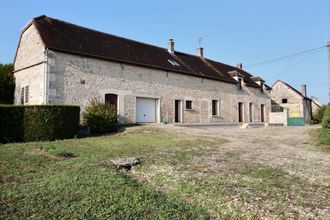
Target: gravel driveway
x,y
275,172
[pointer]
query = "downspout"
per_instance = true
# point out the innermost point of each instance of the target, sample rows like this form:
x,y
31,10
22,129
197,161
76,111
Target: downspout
x,y
46,70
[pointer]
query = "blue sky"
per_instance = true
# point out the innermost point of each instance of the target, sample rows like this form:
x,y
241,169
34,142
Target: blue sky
x,y
232,31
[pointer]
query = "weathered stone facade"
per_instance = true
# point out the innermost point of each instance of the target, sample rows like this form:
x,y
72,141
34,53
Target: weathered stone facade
x,y
29,66
74,79
289,99
128,82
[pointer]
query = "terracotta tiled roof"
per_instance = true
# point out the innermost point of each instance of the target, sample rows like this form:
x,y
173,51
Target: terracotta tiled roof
x,y
62,36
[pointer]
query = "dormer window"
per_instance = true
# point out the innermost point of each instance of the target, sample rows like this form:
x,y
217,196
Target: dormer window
x,y
240,82
259,81
261,86
173,62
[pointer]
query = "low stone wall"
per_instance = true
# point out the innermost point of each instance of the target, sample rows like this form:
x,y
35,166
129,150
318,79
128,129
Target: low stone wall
x,y
278,117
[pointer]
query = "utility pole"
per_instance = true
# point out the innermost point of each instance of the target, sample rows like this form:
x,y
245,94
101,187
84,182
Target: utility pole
x,y
328,46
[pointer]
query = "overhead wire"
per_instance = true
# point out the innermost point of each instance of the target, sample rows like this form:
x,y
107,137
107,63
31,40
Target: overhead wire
x,y
286,57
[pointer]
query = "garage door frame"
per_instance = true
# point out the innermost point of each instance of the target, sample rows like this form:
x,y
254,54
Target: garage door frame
x,y
157,108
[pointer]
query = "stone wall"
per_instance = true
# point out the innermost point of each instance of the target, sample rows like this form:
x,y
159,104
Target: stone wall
x,y
77,79
279,117
28,66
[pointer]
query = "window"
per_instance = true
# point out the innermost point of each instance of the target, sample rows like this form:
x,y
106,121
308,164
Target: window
x,y
284,100
26,94
22,96
173,62
215,107
188,104
261,87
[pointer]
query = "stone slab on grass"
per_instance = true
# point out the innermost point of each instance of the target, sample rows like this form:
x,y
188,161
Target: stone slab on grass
x,y
125,163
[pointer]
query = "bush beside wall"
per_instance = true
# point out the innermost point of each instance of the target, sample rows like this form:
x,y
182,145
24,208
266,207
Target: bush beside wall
x,y
326,118
38,122
318,115
100,117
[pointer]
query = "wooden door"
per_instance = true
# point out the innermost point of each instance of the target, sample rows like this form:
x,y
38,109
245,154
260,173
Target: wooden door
x,y
178,111
111,99
262,113
240,112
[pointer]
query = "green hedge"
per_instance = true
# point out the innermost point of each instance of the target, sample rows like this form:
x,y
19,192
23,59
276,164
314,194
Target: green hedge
x,y
318,115
38,122
326,118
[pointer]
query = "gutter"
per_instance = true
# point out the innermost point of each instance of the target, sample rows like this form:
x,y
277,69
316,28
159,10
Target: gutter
x,y
45,81
24,68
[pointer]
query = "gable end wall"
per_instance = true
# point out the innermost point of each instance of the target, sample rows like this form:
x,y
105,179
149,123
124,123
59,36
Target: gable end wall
x,y
29,66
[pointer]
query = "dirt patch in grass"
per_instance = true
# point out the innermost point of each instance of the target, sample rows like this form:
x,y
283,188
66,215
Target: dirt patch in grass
x,y
54,154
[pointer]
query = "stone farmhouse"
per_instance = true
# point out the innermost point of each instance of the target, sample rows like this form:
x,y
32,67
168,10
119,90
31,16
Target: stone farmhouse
x,y
297,104
61,63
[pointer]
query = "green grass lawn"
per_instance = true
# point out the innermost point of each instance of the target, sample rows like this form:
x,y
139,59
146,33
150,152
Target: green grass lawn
x,y
324,135
75,179
38,181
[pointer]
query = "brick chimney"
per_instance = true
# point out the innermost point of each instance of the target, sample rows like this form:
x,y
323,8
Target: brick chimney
x,y
239,66
199,52
304,90
170,46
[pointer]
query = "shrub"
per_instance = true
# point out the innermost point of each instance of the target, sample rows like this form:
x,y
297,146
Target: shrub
x,y
38,122
11,123
318,115
101,118
326,118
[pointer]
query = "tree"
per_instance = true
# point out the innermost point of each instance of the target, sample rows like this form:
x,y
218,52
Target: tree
x,y
7,84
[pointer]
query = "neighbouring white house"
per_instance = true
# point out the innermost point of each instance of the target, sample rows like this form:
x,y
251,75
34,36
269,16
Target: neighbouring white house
x,y
61,63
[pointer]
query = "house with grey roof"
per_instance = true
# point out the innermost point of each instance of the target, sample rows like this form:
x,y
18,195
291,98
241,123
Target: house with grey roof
x,y
58,62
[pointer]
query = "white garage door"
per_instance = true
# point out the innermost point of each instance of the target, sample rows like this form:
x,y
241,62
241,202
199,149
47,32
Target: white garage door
x,y
145,110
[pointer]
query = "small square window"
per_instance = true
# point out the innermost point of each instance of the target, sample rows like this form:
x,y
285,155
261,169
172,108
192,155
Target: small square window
x,y
173,62
188,104
284,100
